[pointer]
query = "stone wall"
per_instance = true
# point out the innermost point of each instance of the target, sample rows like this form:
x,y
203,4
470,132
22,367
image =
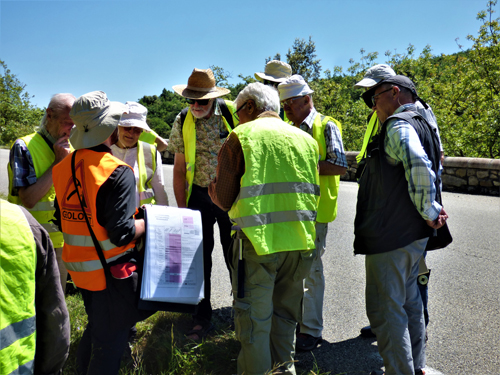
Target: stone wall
x,y
464,175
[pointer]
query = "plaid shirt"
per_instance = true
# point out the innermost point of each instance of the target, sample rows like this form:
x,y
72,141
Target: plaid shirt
x,y
402,145
21,163
334,147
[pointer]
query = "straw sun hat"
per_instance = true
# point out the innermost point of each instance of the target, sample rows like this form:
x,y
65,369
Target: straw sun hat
x,y
201,85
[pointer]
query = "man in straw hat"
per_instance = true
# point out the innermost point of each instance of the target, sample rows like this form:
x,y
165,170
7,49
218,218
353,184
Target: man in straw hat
x,y
276,71
106,188
268,178
296,95
196,138
399,208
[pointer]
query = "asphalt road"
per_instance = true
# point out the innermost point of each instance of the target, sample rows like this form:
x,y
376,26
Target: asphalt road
x,y
464,290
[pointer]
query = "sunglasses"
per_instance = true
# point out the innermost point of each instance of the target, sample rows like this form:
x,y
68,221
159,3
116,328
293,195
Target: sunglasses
x,y
199,101
133,129
375,97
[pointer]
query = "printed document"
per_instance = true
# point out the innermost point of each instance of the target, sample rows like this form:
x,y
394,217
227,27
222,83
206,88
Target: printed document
x,y
173,261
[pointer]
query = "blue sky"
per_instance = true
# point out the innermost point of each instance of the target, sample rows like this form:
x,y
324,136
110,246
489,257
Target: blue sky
x,y
133,48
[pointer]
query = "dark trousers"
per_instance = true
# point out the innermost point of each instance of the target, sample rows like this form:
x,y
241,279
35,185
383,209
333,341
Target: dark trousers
x,y
100,350
210,213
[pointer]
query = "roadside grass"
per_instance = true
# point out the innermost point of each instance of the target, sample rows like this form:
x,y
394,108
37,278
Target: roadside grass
x,y
161,348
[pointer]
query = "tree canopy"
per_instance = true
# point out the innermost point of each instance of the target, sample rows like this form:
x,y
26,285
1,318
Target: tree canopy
x,y
462,88
18,116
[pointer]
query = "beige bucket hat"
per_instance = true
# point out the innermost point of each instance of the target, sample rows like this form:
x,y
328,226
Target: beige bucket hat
x,y
201,85
135,116
95,118
275,71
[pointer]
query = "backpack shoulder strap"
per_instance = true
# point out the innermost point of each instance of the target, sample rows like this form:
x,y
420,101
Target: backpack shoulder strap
x,y
226,112
183,116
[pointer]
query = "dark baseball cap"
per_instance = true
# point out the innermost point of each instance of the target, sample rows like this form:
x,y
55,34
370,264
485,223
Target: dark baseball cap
x,y
400,81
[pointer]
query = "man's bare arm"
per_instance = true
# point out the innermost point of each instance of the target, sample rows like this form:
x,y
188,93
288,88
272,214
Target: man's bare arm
x,y
329,169
32,194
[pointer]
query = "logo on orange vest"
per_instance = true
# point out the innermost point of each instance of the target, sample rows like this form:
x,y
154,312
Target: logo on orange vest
x,y
71,209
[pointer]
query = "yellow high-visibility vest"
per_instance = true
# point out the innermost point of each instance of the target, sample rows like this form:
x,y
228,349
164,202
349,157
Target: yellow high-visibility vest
x,y
327,210
189,136
278,199
43,157
17,292
146,162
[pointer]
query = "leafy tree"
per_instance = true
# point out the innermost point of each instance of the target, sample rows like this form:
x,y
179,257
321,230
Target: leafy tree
x,y
18,116
162,111
276,57
221,76
302,59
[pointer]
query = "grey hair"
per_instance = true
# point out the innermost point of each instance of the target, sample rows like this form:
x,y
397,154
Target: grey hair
x,y
266,97
57,103
311,97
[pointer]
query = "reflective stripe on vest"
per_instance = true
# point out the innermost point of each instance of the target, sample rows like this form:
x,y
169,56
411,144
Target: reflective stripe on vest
x,y
17,331
277,203
86,241
327,209
42,206
17,295
278,188
146,163
43,157
274,217
79,254
189,137
91,265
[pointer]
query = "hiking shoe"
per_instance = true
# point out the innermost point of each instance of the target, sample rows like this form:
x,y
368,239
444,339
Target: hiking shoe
x,y
307,342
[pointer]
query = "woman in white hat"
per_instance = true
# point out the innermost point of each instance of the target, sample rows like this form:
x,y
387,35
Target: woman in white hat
x,y
143,157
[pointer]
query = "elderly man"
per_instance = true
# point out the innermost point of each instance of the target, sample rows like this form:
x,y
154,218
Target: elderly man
x,y
398,210
296,95
34,321
267,176
196,138
30,168
373,76
100,240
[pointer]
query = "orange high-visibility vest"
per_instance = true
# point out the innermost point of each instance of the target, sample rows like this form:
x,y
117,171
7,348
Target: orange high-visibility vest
x,y
79,254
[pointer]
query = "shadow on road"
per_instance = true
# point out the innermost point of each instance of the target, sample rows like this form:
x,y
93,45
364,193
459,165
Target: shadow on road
x,y
356,356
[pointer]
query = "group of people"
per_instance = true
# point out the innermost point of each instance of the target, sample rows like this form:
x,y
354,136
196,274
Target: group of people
x,y
266,168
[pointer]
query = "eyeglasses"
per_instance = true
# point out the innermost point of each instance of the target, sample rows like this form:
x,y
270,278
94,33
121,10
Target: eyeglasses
x,y
199,101
132,129
288,102
235,114
374,97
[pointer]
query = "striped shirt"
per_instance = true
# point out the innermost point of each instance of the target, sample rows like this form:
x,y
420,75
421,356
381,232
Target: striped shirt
x,y
402,145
